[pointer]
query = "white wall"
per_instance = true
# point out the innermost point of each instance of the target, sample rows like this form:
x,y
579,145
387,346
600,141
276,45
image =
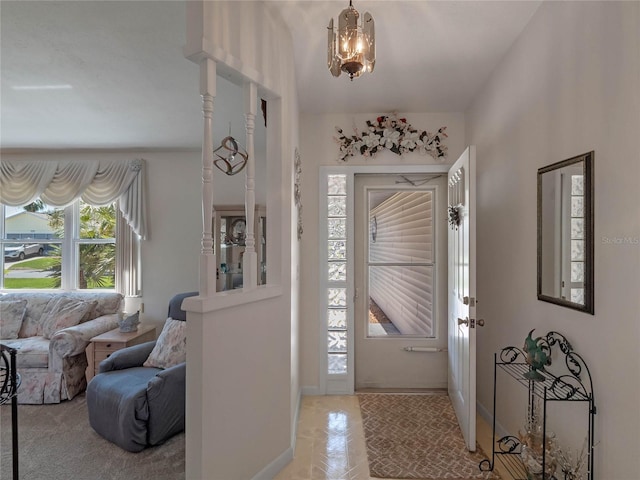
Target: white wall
x,y
570,84
242,367
317,149
170,256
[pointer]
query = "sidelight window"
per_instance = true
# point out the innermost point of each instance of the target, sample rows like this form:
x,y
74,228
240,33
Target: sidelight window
x,y
336,294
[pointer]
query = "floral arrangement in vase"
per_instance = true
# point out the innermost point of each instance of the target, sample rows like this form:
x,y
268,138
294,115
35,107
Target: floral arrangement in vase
x,y
531,452
573,469
394,134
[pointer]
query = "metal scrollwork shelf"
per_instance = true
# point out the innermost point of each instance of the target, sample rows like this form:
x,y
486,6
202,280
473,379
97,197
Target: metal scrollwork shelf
x,y
9,383
574,385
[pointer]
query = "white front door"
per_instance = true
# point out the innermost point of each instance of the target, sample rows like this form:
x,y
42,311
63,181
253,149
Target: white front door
x,y
462,294
400,281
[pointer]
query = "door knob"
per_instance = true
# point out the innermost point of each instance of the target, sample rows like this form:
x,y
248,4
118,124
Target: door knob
x,y
480,322
463,322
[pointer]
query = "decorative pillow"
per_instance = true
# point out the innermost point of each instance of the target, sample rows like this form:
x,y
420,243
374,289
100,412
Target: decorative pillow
x,y
171,346
11,315
63,312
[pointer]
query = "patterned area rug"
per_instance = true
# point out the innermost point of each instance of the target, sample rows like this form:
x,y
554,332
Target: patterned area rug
x,y
416,436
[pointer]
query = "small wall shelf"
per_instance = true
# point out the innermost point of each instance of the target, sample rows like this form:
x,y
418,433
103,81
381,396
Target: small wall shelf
x,y
573,384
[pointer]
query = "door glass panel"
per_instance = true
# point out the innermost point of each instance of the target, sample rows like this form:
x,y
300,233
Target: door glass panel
x,y
401,300
401,263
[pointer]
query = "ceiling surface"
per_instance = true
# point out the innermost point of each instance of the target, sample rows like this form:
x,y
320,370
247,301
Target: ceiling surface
x,y
111,75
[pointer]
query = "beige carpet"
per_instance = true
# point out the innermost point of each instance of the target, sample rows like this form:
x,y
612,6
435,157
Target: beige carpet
x,y
418,437
57,443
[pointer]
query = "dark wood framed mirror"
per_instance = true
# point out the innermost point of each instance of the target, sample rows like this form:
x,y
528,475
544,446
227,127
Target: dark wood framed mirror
x,y
565,233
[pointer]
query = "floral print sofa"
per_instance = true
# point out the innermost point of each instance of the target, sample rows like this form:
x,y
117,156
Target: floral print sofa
x,y
51,341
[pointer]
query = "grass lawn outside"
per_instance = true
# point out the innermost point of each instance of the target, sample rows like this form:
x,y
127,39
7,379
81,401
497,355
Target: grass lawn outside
x,y
34,283
43,264
42,283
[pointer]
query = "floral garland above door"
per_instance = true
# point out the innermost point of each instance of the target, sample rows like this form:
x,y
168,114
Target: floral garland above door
x,y
394,134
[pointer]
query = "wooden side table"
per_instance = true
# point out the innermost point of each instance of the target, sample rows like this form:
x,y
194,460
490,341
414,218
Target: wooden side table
x,y
103,345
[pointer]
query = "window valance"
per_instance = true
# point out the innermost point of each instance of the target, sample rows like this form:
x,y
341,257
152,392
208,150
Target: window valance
x,y
60,183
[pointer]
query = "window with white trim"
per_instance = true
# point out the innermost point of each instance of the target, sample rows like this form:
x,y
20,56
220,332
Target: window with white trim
x,y
73,248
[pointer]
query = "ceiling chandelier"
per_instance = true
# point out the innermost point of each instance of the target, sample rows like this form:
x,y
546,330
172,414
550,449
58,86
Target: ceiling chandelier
x,y
352,47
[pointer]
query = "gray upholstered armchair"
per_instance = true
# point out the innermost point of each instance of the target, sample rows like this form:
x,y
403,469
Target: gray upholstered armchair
x,y
136,406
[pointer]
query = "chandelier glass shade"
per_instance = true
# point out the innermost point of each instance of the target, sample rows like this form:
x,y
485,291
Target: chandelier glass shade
x,y
352,46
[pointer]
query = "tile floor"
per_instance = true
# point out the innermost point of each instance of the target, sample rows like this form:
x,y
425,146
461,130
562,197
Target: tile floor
x,y
330,441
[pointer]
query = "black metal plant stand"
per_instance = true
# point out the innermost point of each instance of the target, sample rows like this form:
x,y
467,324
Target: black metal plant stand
x,y
573,386
9,383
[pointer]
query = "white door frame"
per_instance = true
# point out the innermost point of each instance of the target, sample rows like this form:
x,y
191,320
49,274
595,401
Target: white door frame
x,y
345,384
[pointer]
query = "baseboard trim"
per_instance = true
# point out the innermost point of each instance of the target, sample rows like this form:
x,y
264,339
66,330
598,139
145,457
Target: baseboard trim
x,y
488,417
271,470
311,391
404,391
436,386
283,460
296,416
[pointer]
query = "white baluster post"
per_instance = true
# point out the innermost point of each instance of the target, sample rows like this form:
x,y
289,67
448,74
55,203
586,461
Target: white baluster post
x,y
207,257
250,261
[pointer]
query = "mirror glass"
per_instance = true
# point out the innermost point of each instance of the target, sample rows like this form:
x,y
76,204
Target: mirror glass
x,y
565,233
230,228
